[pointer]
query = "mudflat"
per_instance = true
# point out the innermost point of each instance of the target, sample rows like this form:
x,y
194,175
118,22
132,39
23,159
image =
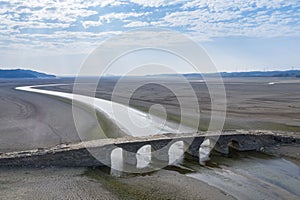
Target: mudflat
x,y
82,183
29,120
252,103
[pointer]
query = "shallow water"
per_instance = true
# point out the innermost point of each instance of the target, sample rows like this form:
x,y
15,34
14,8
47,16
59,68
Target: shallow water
x,y
244,175
251,175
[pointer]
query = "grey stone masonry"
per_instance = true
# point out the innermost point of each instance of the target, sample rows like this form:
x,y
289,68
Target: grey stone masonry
x,y
85,153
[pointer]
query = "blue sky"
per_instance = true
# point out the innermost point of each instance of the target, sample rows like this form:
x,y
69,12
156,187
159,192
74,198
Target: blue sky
x,y
240,35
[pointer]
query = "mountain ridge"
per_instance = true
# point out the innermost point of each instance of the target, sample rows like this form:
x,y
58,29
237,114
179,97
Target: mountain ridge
x,y
277,73
23,73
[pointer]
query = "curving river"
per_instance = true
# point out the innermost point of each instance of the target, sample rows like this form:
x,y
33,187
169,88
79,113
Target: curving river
x,y
130,120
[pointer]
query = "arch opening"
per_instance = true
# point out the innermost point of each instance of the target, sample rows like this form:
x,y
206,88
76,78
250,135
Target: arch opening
x,y
204,151
233,144
176,153
117,166
143,156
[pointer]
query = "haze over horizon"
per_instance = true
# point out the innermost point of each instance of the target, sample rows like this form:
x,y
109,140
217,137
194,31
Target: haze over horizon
x,y
56,36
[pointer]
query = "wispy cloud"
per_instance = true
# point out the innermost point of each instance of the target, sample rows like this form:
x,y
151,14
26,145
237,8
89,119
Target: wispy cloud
x,y
109,18
65,24
157,3
136,24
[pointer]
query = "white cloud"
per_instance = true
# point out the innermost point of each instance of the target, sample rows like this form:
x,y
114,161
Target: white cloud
x,y
222,18
56,24
87,24
156,3
108,18
120,16
60,42
136,24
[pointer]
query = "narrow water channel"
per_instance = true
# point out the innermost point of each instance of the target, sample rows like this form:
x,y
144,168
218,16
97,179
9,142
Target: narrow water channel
x,y
251,175
244,175
130,120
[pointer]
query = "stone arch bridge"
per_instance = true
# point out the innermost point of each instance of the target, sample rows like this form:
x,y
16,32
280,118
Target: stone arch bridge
x,y
78,155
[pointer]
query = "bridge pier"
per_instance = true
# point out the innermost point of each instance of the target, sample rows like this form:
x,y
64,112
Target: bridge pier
x,y
129,161
248,143
129,152
239,143
102,154
194,147
222,147
160,153
160,158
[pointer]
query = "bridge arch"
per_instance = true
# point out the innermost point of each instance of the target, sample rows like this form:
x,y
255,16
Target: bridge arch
x,y
224,144
205,150
144,156
116,165
234,144
161,153
177,151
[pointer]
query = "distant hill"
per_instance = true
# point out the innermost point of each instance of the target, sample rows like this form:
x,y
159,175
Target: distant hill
x,y
21,73
288,73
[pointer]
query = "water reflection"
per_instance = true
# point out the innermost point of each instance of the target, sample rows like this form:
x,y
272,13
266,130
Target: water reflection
x,y
247,175
251,176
